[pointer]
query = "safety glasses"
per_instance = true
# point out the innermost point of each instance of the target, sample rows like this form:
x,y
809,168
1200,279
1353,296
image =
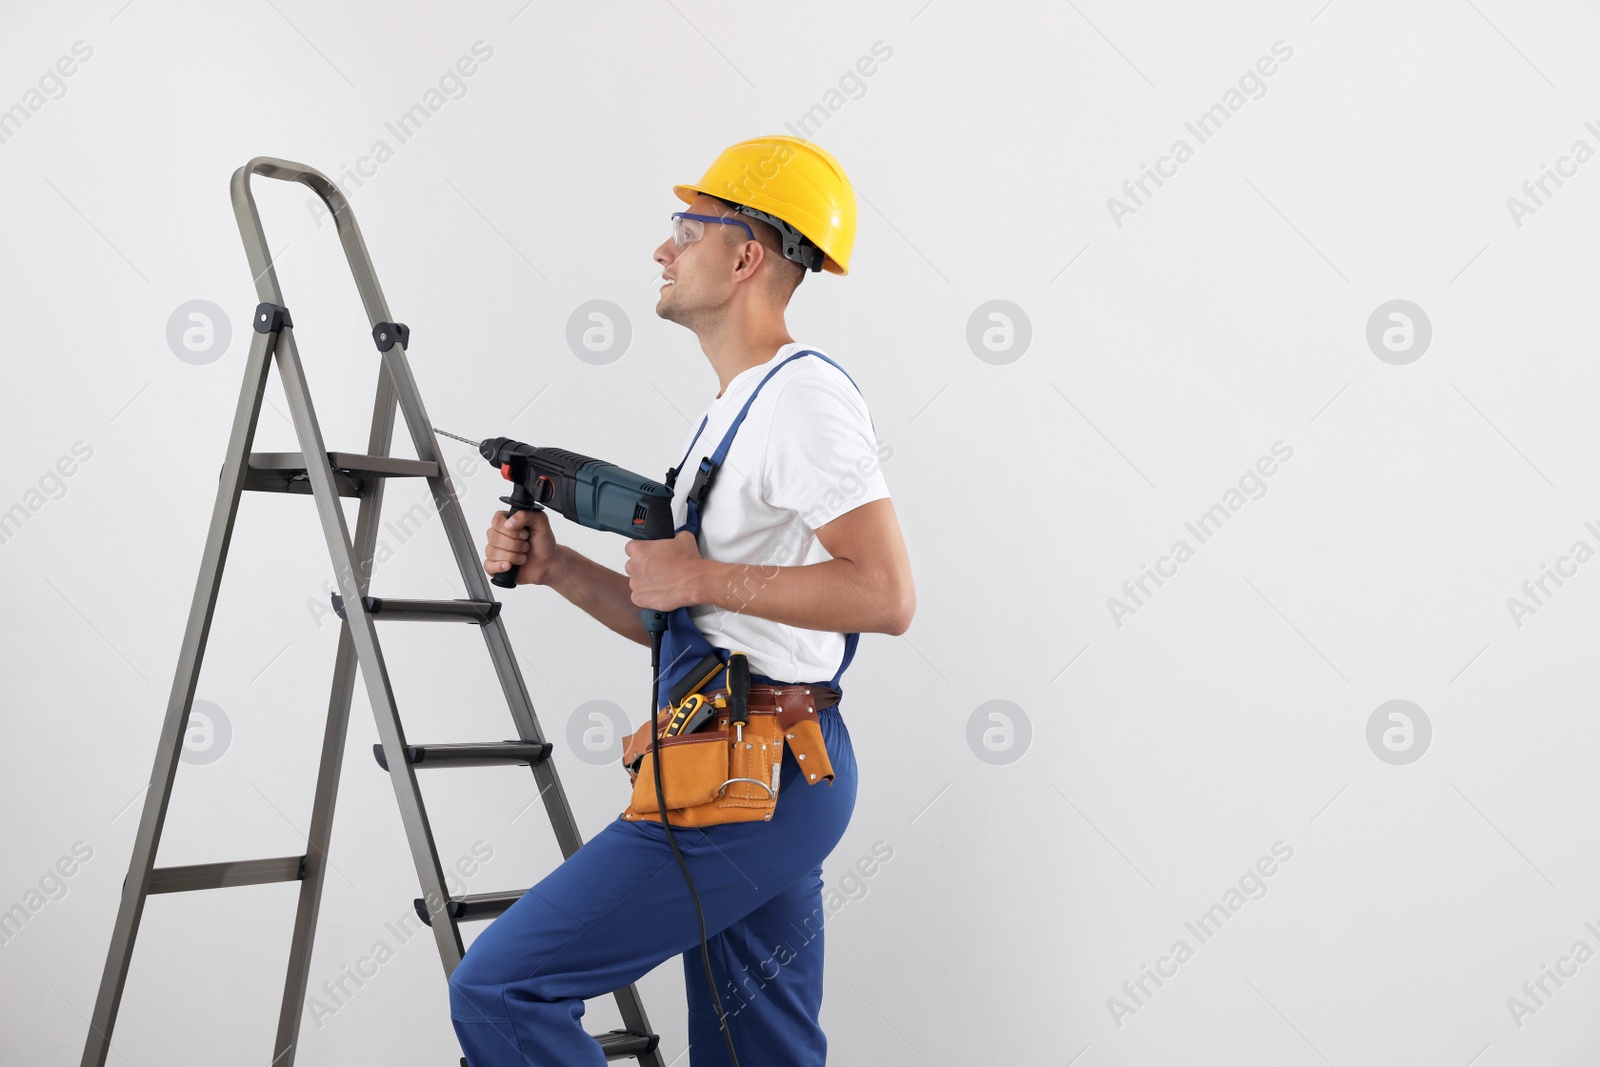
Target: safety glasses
x,y
687,227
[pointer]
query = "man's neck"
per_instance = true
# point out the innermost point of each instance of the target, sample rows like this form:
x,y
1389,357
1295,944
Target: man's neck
x,y
732,353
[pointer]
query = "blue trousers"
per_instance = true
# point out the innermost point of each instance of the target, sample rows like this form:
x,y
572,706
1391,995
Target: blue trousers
x,y
619,906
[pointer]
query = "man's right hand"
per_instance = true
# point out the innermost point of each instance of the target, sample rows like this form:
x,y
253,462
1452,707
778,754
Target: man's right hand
x,y
523,542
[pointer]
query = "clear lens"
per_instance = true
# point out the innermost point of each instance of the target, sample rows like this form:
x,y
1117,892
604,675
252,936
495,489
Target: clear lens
x,y
687,231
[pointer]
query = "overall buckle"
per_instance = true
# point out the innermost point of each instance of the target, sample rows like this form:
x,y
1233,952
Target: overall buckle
x,y
703,477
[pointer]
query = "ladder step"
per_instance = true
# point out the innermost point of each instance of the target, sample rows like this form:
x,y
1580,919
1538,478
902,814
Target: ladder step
x,y
472,906
232,872
619,1044
285,472
475,754
478,611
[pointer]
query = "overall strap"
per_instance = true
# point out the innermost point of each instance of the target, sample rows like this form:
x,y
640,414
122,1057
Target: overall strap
x,y
709,465
850,641
672,472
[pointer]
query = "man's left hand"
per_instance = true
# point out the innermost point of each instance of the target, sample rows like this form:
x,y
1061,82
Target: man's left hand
x,y
662,574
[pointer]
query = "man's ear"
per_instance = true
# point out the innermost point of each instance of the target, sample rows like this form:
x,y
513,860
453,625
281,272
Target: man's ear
x,y
751,253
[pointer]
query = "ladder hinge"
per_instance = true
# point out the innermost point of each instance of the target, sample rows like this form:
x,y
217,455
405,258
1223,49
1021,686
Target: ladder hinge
x,y
385,334
270,318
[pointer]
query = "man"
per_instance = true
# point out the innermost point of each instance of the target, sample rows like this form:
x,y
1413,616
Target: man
x,y
798,553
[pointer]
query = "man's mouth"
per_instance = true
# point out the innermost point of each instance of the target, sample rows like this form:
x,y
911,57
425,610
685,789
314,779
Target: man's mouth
x,y
666,281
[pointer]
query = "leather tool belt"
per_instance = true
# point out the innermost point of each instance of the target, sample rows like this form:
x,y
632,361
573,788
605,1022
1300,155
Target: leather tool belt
x,y
711,776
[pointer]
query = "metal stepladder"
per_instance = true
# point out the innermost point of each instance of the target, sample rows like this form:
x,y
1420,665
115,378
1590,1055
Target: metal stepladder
x,y
326,477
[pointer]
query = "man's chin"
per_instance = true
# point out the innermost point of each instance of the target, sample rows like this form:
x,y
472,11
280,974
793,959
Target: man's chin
x,y
667,310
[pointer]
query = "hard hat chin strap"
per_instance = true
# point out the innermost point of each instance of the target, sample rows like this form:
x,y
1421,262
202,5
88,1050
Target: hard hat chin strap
x,y
795,245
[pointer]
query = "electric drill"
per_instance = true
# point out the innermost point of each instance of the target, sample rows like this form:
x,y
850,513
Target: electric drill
x,y
590,492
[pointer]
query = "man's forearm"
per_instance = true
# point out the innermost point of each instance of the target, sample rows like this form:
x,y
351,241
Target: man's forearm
x,y
837,595
600,591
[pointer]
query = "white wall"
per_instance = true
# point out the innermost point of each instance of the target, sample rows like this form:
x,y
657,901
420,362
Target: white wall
x,y
1165,751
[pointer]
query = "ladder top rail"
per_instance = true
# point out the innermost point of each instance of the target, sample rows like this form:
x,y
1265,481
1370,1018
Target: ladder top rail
x,y
255,238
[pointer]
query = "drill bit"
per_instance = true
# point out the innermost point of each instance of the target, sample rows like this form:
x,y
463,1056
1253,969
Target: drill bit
x,y
457,436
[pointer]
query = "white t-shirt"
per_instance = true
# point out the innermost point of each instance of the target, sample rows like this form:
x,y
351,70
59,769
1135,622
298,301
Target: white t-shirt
x,y
804,455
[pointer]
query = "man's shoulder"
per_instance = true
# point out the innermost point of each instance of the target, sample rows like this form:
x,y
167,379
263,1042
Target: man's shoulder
x,y
820,379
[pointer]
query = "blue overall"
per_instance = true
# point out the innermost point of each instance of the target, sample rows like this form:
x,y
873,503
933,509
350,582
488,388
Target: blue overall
x,y
618,906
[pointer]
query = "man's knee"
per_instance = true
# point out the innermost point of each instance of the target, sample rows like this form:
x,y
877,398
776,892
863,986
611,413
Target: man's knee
x,y
488,972
473,992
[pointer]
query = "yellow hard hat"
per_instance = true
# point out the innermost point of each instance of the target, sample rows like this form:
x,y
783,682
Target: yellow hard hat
x,y
795,183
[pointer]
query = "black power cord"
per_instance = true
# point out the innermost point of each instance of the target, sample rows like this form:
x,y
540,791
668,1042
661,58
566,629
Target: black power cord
x,y
655,622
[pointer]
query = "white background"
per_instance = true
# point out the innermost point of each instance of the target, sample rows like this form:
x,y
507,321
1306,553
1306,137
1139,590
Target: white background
x,y
1163,756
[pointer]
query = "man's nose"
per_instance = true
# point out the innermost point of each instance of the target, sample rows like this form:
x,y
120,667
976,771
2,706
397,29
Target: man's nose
x,y
665,253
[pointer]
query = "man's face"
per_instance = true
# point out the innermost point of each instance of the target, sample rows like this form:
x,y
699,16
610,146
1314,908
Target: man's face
x,y
696,278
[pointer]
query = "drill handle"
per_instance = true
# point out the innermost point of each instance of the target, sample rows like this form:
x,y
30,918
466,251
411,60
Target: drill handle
x,y
519,500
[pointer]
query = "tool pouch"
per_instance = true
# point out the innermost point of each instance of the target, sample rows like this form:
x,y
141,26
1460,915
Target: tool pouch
x,y
805,740
709,777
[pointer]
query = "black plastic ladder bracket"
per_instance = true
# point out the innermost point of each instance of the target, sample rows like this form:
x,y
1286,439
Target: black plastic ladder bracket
x,y
372,604
385,334
271,318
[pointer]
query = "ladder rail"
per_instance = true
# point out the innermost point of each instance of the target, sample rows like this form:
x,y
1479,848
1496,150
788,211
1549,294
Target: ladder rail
x,y
186,677
262,267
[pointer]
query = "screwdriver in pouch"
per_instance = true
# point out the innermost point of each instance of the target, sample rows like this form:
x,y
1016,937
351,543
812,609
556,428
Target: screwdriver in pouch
x,y
738,693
